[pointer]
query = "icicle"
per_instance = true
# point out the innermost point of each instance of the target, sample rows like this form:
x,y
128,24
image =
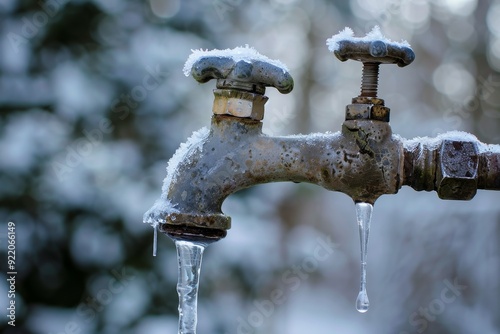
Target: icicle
x,y
189,255
155,238
363,216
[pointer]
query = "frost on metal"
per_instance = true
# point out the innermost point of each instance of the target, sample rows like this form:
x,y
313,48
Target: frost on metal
x,y
435,141
163,206
246,53
319,136
348,35
489,148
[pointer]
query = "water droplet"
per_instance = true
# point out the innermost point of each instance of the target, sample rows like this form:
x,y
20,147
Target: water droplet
x,y
362,302
363,216
189,256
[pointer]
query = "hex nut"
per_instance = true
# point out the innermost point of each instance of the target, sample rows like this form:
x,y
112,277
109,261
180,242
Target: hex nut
x,y
239,104
457,172
380,113
358,111
368,100
376,112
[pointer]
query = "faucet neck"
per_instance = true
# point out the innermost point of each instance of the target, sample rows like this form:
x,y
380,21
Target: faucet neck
x,y
233,129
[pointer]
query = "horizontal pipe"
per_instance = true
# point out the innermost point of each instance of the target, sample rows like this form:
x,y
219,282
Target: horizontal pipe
x,y
454,164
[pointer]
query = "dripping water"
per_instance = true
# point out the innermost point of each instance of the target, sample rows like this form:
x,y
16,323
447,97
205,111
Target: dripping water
x,y
189,256
363,216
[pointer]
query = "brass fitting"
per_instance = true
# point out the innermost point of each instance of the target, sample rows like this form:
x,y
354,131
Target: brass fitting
x,y
239,103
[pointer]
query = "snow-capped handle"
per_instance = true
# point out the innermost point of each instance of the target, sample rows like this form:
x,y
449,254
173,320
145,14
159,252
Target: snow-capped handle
x,y
376,51
251,75
373,49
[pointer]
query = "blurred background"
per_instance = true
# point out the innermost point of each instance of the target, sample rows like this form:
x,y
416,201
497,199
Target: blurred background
x,y
93,104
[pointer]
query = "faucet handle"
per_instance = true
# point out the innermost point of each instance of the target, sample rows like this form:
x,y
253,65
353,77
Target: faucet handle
x,y
242,68
373,48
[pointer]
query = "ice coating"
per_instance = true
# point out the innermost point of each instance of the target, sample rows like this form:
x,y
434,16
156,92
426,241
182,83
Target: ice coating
x,y
374,35
245,53
163,206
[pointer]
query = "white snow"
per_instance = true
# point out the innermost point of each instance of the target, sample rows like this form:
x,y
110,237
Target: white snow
x,y
434,141
245,53
458,135
489,148
348,35
309,138
162,206
452,135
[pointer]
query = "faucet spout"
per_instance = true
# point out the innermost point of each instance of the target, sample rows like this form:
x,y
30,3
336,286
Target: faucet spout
x,y
363,161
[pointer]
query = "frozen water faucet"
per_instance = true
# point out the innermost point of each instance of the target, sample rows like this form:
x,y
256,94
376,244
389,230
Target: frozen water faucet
x,y
364,160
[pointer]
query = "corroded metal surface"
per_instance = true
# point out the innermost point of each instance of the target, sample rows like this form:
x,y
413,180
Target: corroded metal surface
x,y
375,51
489,171
420,165
457,176
192,233
367,108
252,75
363,161
454,168
369,79
372,54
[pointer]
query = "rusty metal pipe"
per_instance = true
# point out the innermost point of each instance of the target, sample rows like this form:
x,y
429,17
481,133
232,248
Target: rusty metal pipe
x,y
364,161
455,166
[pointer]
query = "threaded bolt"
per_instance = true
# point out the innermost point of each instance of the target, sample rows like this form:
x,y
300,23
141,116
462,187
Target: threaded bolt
x,y
369,79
